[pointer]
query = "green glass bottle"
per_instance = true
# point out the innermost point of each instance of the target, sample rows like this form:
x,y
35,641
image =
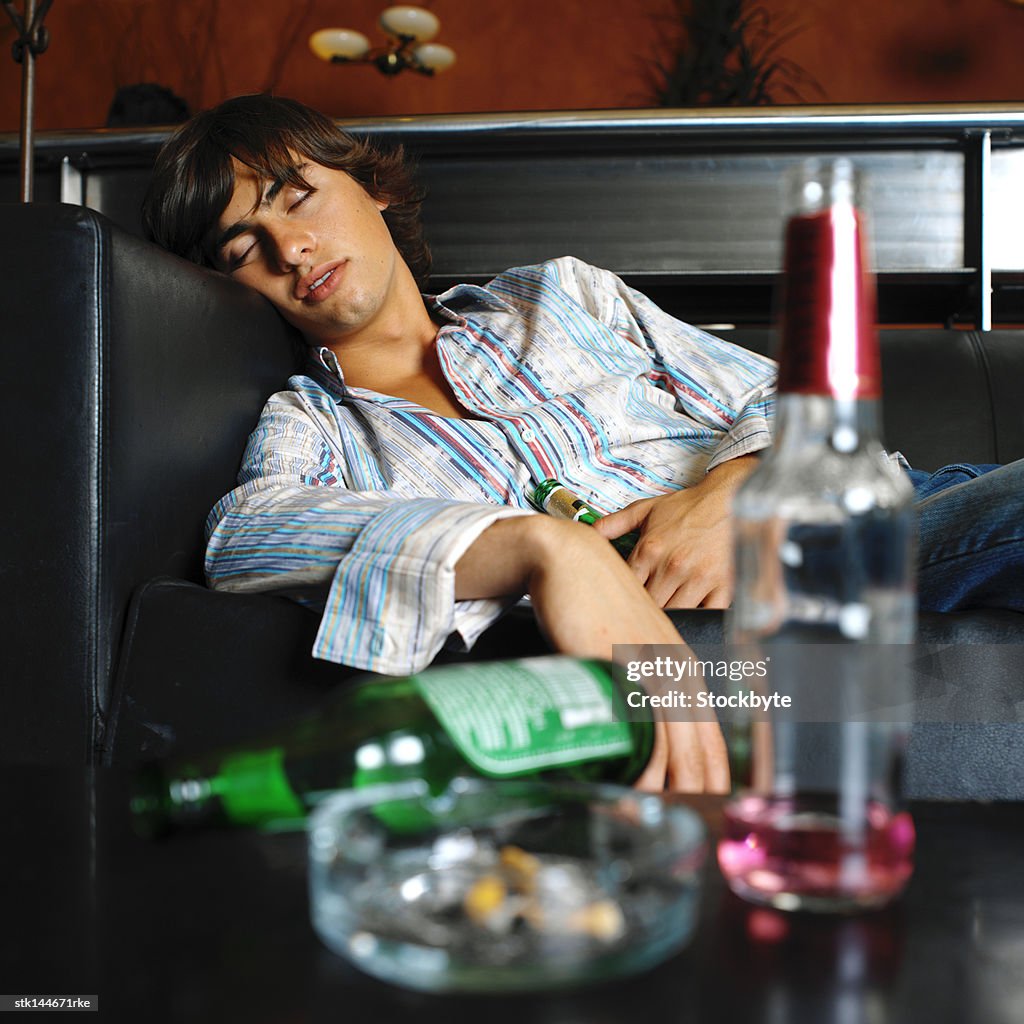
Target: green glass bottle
x,y
554,498
501,719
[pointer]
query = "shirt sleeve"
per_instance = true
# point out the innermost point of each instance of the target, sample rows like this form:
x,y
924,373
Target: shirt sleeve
x,y
382,566
716,383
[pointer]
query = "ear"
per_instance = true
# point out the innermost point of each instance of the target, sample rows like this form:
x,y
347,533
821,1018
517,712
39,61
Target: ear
x,y
381,204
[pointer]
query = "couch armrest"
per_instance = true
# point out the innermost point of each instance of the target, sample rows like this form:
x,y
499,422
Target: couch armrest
x,y
133,379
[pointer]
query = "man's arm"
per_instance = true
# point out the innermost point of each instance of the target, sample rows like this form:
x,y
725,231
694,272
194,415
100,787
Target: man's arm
x,y
379,564
586,599
684,556
685,553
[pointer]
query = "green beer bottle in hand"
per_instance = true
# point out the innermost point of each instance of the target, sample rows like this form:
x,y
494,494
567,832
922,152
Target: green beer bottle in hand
x,y
554,498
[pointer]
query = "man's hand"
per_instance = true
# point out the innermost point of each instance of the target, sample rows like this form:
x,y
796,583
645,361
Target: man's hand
x,y
684,554
586,599
688,757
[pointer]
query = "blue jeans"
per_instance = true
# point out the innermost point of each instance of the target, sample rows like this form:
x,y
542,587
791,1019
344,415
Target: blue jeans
x,y
971,537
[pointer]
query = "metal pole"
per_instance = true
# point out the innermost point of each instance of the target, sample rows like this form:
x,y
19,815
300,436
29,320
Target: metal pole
x,y
32,40
28,111
984,313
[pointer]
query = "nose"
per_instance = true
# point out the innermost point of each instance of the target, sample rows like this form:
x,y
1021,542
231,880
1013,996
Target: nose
x,y
293,247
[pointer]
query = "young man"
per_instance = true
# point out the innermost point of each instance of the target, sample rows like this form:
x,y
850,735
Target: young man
x,y
390,484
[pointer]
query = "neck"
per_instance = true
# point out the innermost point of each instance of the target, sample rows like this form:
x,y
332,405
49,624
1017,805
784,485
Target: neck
x,y
395,346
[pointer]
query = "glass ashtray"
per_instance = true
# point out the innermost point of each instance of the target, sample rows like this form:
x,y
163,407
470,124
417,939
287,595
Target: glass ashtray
x,y
503,886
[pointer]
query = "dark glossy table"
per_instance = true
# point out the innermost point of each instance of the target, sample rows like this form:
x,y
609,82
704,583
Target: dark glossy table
x,y
214,928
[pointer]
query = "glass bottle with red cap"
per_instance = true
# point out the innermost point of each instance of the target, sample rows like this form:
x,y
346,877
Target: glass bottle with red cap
x,y
825,539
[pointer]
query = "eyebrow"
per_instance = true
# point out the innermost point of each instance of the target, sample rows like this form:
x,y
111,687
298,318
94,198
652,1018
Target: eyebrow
x,y
241,226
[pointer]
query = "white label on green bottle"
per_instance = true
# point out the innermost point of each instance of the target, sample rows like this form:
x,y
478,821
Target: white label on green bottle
x,y
516,717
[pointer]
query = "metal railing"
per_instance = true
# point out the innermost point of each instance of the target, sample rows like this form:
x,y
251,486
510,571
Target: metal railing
x,y
682,197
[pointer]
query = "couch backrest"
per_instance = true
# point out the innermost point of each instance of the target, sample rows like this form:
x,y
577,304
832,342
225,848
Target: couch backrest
x,y
132,380
948,395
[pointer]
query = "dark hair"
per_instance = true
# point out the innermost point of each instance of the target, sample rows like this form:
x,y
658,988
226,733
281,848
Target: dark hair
x,y
193,178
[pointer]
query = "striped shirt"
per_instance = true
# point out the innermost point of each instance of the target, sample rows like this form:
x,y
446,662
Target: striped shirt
x,y
361,504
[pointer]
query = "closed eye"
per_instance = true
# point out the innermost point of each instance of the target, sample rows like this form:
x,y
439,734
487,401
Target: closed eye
x,y
294,197
301,198
234,262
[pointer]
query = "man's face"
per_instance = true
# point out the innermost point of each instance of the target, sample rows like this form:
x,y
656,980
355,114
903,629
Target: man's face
x,y
324,256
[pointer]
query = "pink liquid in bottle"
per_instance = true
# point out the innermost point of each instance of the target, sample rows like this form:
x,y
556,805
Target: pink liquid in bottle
x,y
795,853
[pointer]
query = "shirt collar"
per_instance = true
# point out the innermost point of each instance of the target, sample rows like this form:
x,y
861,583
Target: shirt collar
x,y
461,299
450,306
326,369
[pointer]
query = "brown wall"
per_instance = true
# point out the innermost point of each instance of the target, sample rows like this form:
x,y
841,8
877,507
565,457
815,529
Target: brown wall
x,y
525,55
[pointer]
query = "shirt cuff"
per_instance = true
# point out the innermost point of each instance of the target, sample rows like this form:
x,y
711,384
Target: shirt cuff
x,y
750,433
391,605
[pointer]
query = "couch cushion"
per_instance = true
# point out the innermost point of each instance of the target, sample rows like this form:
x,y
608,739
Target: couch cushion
x,y
202,669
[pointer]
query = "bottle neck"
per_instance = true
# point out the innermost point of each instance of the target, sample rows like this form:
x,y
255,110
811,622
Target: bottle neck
x,y
819,421
829,340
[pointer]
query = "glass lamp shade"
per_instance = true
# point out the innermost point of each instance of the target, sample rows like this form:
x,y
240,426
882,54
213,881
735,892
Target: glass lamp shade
x,y
435,56
338,42
414,22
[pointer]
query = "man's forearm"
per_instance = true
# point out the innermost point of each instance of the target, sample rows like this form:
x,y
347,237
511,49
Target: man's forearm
x,y
587,600
732,472
499,562
585,596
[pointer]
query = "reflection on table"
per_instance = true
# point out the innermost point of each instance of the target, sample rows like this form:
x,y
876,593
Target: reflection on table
x,y
215,927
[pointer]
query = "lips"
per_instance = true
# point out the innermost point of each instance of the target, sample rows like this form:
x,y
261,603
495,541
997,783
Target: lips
x,y
319,282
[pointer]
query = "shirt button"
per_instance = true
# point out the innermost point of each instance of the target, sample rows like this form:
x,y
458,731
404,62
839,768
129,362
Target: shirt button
x,y
528,436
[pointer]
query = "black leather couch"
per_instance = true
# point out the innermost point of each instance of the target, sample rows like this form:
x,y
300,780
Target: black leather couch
x,y
135,379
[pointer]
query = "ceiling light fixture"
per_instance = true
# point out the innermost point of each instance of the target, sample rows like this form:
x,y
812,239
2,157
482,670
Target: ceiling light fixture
x,y
409,48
